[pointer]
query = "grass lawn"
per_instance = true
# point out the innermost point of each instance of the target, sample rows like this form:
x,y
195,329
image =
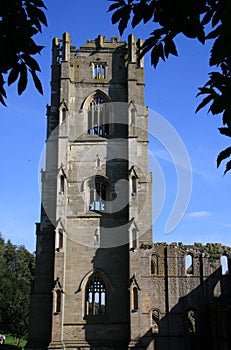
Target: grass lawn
x,y
11,343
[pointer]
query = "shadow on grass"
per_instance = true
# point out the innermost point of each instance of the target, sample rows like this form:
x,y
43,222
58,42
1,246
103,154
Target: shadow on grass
x,y
9,347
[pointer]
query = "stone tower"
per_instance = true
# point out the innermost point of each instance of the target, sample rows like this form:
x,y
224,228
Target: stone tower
x,y
96,200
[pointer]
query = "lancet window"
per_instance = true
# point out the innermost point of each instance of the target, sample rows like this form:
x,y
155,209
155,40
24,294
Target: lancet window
x,y
98,117
95,296
98,194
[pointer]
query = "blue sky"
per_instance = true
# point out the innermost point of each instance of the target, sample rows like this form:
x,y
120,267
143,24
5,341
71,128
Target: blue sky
x,y
170,91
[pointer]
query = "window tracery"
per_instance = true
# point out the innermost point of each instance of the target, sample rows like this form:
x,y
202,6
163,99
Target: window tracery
x,y
98,194
95,296
98,116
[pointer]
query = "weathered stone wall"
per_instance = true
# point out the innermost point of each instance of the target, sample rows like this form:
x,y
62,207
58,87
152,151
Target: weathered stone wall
x,y
153,300
184,307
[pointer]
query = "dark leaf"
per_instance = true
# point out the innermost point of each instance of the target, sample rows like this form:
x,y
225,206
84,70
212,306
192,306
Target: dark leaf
x,y
147,46
205,90
227,117
228,167
37,82
205,101
22,83
36,14
138,16
214,33
218,51
124,21
216,107
2,82
2,100
149,12
216,18
223,155
170,47
33,48
207,17
13,75
156,54
116,5
117,15
31,62
39,3
225,131
201,34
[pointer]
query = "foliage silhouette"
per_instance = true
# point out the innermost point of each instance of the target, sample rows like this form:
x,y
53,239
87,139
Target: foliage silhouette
x,y
19,22
196,19
16,275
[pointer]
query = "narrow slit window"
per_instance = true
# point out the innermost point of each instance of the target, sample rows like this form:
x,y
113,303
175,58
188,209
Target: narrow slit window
x,y
154,265
189,264
60,239
62,183
224,265
135,298
58,300
64,114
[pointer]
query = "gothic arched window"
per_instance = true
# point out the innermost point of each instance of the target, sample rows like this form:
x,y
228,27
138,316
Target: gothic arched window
x,y
58,300
224,265
98,194
135,299
98,116
189,264
154,264
96,296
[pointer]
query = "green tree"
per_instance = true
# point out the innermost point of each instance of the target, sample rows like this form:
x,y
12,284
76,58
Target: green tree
x,y
196,19
16,276
20,21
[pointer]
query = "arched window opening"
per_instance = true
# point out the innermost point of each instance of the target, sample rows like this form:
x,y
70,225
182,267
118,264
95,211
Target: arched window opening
x,y
191,322
155,320
95,296
64,114
98,117
60,239
224,265
135,298
58,300
154,265
98,194
189,264
133,185
62,183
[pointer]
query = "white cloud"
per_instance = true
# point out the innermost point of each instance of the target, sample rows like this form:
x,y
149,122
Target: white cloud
x,y
199,214
226,225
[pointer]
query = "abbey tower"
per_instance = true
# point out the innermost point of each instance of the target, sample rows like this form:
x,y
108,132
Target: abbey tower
x,y
100,282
